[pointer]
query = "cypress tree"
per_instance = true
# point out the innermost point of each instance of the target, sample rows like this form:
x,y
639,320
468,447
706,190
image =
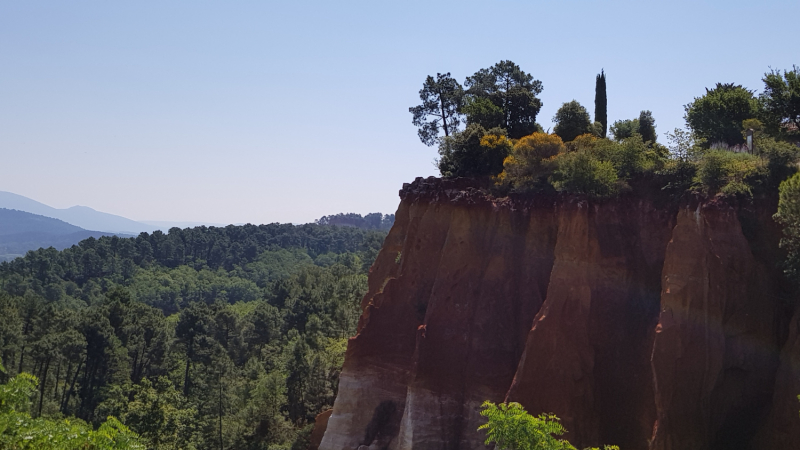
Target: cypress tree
x,y
601,101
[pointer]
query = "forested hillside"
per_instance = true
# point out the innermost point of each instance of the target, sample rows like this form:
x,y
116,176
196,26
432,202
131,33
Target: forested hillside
x,y
200,338
22,231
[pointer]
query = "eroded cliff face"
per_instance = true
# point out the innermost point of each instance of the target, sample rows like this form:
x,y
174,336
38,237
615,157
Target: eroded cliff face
x,y
638,322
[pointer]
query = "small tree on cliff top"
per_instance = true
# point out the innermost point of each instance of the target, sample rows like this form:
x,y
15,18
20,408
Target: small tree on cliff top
x,y
441,98
510,427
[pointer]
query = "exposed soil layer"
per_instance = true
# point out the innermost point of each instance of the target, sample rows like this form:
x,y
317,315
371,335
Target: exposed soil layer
x,y
641,322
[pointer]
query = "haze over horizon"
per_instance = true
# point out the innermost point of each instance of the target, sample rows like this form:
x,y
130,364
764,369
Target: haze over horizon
x,y
263,112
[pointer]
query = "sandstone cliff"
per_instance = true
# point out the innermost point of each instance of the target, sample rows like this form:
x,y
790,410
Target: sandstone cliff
x,y
640,322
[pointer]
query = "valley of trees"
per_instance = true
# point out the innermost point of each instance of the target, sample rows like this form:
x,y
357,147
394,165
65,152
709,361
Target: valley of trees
x,y
200,338
234,337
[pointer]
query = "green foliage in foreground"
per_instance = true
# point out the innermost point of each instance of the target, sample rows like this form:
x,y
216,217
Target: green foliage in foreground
x,y
510,427
19,431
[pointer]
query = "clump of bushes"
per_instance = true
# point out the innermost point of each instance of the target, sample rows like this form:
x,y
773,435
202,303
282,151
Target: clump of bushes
x,y
602,168
728,172
531,161
789,216
474,152
586,165
584,173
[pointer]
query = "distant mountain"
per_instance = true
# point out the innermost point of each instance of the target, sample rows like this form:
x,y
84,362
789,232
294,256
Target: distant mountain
x,y
81,216
22,231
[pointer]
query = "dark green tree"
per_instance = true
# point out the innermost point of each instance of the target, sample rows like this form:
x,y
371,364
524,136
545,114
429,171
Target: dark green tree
x,y
718,115
441,99
789,216
512,91
572,120
647,126
601,102
299,374
161,416
464,155
781,100
481,111
194,332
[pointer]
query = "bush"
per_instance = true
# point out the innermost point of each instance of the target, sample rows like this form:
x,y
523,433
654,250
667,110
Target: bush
x,y
632,156
468,154
728,172
510,427
781,159
531,160
583,173
19,431
788,215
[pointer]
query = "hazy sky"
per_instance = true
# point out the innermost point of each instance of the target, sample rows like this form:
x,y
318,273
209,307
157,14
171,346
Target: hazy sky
x,y
256,111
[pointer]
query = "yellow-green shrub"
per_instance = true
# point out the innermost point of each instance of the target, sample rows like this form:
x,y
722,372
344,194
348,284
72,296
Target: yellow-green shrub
x,y
583,173
531,159
728,172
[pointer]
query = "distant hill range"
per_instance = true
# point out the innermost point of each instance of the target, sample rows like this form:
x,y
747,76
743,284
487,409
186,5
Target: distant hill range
x,y
21,231
90,219
81,216
373,221
26,224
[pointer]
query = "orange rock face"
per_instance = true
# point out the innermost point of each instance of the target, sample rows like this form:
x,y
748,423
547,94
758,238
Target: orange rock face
x,y
638,322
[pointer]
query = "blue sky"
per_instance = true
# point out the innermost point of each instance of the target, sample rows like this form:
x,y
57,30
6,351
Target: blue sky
x,y
256,111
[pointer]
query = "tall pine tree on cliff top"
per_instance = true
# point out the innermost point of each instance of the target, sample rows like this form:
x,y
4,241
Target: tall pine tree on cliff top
x,y
600,101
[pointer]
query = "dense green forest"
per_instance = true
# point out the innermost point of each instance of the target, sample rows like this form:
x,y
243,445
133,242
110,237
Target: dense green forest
x,y
200,338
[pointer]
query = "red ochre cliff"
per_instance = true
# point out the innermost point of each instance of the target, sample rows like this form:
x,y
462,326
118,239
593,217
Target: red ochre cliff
x,y
638,321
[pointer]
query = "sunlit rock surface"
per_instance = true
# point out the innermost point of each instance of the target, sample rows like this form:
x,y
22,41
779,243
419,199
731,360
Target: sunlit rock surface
x,y
639,321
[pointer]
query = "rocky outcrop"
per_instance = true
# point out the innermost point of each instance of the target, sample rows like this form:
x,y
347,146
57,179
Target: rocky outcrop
x,y
638,321
320,425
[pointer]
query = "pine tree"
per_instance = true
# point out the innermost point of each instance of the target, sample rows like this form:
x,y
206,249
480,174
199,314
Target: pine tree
x,y
601,102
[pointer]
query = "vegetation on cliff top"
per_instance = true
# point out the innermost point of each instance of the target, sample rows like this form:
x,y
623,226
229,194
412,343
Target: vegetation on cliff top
x,y
502,140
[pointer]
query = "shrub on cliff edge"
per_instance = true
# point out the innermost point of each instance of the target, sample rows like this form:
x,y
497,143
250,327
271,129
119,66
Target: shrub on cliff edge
x,y
728,172
583,173
474,152
531,161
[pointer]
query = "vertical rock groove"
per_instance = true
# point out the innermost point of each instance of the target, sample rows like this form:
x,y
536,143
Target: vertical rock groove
x,y
638,322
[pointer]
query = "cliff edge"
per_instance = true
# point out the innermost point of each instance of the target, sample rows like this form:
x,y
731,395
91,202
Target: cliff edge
x,y
639,321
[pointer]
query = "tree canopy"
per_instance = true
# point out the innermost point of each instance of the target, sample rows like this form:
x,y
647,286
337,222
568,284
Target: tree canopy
x,y
512,91
441,99
200,338
718,115
572,120
474,152
781,100
647,126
